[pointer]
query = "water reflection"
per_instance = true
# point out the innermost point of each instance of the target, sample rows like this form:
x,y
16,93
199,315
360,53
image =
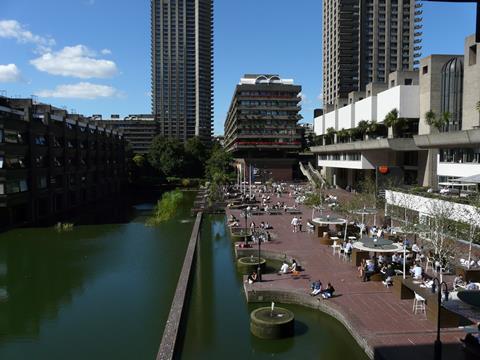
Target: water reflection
x,y
102,290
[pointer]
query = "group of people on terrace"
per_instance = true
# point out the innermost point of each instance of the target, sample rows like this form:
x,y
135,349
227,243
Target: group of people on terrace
x,y
317,288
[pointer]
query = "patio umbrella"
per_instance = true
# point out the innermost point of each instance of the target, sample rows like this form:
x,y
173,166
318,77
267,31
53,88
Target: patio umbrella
x,y
329,220
366,211
382,246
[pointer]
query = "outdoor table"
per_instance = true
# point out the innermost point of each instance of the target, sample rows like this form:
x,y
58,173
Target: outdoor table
x,y
406,289
327,221
468,274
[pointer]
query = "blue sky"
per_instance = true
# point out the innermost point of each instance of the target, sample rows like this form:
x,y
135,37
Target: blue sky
x,y
98,51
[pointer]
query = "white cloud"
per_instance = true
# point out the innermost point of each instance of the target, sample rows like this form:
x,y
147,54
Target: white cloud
x,y
12,29
76,61
106,52
9,73
305,99
82,90
320,98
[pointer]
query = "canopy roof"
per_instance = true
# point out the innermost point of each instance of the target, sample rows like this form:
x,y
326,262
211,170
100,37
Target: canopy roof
x,y
475,179
377,245
329,220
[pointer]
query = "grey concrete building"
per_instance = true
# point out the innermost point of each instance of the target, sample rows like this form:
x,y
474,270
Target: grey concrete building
x,y
138,130
261,126
182,67
364,41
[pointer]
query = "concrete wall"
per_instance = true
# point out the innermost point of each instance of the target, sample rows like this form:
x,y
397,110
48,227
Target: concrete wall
x,y
366,109
346,116
471,84
331,120
318,125
403,98
427,206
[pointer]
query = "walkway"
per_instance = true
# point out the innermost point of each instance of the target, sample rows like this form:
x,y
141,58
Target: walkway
x,y
373,312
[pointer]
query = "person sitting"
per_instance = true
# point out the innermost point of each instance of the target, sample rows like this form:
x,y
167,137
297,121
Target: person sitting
x,y
415,248
396,258
369,270
284,268
316,288
268,226
417,271
380,233
328,292
458,282
252,278
294,266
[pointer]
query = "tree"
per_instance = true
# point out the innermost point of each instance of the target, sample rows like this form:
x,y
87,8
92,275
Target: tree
x,y
373,127
330,133
392,120
343,134
477,106
139,160
167,155
362,128
219,165
437,122
195,157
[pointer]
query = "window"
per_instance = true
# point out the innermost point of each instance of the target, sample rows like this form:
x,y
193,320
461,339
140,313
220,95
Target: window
x,y
472,55
1,136
408,81
40,140
42,182
425,70
13,137
2,161
2,189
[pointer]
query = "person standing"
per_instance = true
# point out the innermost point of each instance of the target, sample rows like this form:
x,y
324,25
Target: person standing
x,y
300,224
294,224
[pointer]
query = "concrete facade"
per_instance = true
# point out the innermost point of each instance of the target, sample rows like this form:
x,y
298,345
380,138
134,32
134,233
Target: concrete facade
x,y
364,41
182,67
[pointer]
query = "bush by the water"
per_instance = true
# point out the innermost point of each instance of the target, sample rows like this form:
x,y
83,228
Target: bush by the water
x,y
166,207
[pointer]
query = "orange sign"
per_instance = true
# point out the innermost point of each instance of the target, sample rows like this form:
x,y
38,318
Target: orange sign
x,y
383,169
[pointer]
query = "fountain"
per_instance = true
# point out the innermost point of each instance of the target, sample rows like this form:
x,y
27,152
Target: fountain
x,y
272,322
249,264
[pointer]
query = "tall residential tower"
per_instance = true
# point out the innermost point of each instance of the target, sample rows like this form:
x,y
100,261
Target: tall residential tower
x,y
364,41
182,67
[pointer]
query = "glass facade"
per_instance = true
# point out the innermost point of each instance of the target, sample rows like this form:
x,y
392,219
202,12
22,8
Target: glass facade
x,y
452,93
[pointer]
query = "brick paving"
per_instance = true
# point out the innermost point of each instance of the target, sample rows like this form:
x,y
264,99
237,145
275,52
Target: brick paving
x,y
373,311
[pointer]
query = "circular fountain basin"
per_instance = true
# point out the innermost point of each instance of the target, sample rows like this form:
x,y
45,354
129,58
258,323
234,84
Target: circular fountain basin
x,y
249,264
471,297
266,324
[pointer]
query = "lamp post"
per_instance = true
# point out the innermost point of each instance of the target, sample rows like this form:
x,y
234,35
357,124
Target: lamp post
x,y
259,265
246,213
437,353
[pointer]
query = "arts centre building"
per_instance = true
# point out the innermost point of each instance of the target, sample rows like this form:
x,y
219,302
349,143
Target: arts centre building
x,y
421,127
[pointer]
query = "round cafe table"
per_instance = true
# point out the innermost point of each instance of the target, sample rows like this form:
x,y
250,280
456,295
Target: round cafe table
x,y
331,220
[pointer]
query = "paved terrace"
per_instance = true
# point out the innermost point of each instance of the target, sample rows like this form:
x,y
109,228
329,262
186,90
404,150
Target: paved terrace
x,y
382,323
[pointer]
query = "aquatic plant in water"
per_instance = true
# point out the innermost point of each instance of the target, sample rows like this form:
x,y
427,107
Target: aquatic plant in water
x,y
166,207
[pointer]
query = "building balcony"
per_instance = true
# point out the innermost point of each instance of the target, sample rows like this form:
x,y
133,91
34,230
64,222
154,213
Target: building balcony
x,y
395,144
466,138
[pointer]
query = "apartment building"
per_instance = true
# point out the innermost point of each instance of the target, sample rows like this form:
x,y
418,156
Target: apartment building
x,y
364,41
52,162
261,126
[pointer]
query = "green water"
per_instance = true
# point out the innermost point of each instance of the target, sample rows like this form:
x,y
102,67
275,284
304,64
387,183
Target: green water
x,y
97,292
218,319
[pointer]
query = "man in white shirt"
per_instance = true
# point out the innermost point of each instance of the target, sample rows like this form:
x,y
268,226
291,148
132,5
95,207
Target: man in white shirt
x,y
284,269
294,224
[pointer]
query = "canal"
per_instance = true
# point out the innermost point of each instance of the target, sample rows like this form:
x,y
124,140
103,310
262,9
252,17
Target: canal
x,y
104,290
96,292
218,315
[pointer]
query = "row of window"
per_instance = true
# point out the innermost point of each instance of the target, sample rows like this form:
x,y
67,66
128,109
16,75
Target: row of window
x,y
340,157
267,103
267,112
460,155
13,186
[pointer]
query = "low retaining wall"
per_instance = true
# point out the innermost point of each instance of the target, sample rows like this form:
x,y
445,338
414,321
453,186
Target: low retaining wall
x,y
170,334
313,302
